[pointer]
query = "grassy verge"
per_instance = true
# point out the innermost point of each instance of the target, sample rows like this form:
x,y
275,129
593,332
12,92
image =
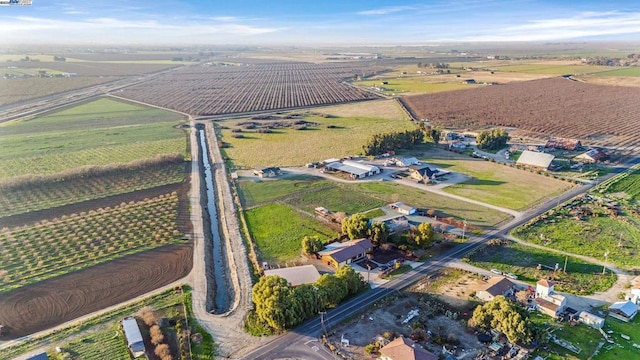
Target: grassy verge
x,y
278,229
582,278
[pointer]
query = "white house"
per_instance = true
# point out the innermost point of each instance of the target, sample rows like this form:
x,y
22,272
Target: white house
x,y
547,301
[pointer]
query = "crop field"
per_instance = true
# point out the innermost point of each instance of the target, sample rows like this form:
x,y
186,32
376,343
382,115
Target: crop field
x,y
582,278
52,248
633,71
550,69
628,184
16,90
598,115
96,69
381,109
494,183
593,236
58,162
25,197
413,85
277,230
211,90
291,147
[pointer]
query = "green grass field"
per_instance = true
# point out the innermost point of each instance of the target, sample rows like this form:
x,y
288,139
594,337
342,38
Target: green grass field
x,y
413,85
552,69
494,183
619,236
338,198
582,278
261,192
57,162
50,194
278,229
633,71
97,114
52,248
289,147
629,184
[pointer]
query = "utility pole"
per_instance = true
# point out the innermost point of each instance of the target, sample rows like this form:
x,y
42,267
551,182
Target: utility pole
x,y
324,330
464,228
565,264
604,267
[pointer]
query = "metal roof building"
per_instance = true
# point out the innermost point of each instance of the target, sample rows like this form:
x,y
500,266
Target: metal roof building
x,y
535,159
296,275
134,337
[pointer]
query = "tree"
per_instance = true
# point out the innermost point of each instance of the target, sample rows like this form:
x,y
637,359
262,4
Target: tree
x,y
311,298
355,226
334,287
273,296
353,281
424,235
311,245
148,316
505,316
156,335
163,352
435,135
492,140
379,233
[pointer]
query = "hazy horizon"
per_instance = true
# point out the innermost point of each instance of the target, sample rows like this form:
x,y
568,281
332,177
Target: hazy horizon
x,y
199,22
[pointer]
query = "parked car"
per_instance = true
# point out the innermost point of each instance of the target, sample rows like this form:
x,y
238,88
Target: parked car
x,y
512,276
496,271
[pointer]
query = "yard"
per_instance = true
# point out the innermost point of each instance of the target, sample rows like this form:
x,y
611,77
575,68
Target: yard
x,y
494,183
582,278
414,85
278,229
291,147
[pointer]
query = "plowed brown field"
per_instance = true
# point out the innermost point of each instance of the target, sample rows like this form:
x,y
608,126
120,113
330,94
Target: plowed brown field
x,y
49,303
599,115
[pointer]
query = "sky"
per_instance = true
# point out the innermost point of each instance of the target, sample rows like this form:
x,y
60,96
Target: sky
x,y
315,22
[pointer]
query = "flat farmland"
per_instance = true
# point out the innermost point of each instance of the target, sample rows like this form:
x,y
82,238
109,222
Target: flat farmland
x,y
632,71
413,85
212,90
598,115
16,90
290,147
52,248
381,109
494,183
552,69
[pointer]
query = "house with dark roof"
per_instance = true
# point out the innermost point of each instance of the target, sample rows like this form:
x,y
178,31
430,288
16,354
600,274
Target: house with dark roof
x,y
424,173
346,253
563,144
592,156
296,275
623,310
267,172
405,349
497,285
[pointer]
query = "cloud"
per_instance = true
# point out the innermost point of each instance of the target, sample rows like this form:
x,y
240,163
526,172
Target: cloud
x,y
386,10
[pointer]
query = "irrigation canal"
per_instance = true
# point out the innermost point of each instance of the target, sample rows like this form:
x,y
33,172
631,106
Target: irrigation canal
x,y
218,259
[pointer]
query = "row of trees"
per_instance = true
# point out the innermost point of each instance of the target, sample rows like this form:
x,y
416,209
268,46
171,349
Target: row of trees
x,y
492,139
382,143
280,307
357,227
430,133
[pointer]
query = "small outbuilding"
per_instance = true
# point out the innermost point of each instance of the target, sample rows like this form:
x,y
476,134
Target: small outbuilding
x,y
623,310
134,337
404,162
403,208
296,275
592,156
589,319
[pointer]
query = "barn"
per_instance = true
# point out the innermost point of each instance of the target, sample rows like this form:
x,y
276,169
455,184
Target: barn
x,y
535,159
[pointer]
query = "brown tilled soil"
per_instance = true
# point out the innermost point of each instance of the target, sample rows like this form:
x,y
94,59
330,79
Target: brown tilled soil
x,y
597,114
43,305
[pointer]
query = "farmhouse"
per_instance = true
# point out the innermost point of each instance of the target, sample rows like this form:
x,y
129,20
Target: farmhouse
x,y
403,208
497,285
404,162
425,173
134,337
296,275
267,172
405,349
535,159
355,169
623,310
340,254
592,156
589,319
563,144
547,301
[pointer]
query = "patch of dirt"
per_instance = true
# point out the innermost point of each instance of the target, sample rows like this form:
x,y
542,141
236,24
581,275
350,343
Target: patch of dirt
x,y
49,303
